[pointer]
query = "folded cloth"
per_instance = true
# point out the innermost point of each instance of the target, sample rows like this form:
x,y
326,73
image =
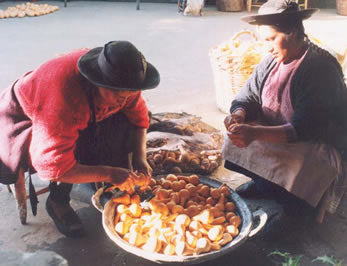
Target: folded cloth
x,y
312,171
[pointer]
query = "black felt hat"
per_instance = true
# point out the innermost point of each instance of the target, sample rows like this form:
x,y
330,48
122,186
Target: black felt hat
x,y
118,65
277,12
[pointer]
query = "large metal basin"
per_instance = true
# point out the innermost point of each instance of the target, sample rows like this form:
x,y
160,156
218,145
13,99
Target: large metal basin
x,y
246,230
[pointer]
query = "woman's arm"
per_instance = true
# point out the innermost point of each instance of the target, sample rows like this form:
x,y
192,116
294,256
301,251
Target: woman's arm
x,y
249,97
271,134
80,173
140,143
242,135
140,156
123,178
137,113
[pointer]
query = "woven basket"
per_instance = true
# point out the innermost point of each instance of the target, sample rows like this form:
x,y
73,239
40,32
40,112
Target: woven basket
x,y
229,78
341,7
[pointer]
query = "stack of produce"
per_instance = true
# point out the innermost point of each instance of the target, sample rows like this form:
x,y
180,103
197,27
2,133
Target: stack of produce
x,y
184,218
182,143
204,162
233,61
27,9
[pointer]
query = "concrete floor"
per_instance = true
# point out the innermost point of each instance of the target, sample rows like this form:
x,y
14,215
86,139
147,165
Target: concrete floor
x,y
178,46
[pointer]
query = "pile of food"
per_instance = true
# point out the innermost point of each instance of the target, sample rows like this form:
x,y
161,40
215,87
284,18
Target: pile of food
x,y
188,162
233,61
182,143
27,9
185,217
235,55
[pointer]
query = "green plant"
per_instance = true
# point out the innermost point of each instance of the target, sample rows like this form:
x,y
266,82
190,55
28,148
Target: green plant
x,y
289,259
329,260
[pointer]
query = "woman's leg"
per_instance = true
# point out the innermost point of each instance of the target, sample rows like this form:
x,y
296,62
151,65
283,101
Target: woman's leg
x,y
258,186
58,207
107,144
60,193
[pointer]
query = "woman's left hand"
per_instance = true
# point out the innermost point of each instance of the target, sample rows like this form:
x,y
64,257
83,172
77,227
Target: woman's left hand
x,y
142,166
242,135
144,173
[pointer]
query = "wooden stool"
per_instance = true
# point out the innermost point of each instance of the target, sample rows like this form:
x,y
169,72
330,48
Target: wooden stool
x,y
302,3
253,3
21,195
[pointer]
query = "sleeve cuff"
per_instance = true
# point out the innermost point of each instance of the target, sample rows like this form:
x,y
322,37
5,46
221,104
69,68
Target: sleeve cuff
x,y
239,108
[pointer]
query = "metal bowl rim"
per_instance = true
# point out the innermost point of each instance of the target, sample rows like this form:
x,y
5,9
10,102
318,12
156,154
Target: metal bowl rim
x,y
242,210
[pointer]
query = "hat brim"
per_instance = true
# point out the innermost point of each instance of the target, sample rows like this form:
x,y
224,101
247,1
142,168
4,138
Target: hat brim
x,y
89,68
278,18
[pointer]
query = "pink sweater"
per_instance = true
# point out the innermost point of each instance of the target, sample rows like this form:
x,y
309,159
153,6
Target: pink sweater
x,y
52,97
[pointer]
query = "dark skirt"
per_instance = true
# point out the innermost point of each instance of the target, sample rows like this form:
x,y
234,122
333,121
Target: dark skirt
x,y
15,136
104,143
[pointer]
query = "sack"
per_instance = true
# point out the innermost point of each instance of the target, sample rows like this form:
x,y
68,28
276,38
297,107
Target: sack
x,y
181,143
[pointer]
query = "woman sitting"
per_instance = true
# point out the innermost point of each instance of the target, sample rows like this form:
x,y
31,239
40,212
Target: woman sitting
x,y
288,123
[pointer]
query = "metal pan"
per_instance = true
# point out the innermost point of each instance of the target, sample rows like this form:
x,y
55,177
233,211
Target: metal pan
x,y
246,230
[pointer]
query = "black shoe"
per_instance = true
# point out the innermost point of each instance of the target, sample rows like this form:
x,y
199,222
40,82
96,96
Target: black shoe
x,y
249,190
70,224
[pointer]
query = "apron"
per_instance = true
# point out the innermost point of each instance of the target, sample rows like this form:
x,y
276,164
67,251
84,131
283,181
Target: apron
x,y
311,171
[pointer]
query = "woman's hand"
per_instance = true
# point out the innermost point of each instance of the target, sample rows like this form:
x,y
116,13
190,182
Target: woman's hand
x,y
237,117
143,171
140,163
142,166
241,135
124,179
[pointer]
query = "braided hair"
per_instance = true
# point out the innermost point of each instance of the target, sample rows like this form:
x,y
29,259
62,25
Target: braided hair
x,y
298,26
327,55
338,134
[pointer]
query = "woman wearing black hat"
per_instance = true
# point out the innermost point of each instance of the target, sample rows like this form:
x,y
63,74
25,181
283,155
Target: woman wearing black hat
x,y
299,94
75,119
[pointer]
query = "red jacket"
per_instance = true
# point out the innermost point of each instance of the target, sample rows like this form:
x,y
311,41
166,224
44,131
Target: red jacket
x,y
52,97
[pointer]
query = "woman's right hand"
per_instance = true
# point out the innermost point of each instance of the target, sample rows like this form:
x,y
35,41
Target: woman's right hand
x,y
122,178
237,117
126,180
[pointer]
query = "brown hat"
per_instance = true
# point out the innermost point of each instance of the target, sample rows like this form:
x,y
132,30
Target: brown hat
x,y
277,12
120,66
